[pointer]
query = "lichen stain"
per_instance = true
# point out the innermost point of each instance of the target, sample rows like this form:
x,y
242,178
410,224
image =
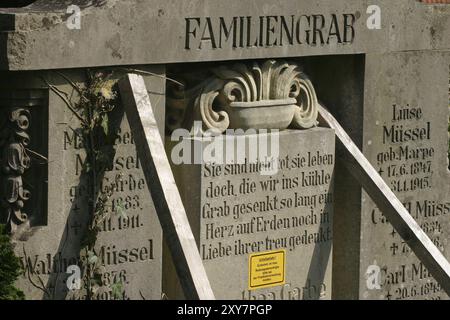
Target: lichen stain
x,y
16,50
50,21
114,44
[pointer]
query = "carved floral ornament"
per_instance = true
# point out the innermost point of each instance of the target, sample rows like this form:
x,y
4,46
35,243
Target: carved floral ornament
x,y
14,162
268,95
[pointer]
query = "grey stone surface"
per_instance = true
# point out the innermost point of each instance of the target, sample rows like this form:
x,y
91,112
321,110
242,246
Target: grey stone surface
x,y
290,210
410,81
116,31
361,94
129,247
339,82
163,189
405,62
405,139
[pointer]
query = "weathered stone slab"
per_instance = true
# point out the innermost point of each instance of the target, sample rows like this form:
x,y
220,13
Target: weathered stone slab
x,y
359,73
117,31
405,137
129,244
163,189
241,209
406,140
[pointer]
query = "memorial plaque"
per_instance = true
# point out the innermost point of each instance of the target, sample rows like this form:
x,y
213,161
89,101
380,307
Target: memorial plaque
x,y
264,234
406,140
128,249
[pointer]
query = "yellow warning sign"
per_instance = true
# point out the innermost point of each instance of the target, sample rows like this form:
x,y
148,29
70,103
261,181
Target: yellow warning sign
x,y
266,269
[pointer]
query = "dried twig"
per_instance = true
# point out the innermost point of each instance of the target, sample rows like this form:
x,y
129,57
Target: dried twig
x,y
65,99
40,156
74,85
152,74
29,276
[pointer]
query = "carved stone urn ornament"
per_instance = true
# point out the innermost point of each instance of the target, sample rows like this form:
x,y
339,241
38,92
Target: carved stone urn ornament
x,y
269,95
14,162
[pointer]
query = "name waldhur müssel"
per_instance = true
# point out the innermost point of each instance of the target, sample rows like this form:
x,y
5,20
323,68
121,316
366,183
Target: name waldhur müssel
x,y
268,31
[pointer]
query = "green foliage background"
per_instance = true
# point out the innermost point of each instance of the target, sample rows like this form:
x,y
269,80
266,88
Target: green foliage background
x,y
10,269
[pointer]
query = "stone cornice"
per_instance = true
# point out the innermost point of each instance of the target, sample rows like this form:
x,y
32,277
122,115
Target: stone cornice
x,y
130,32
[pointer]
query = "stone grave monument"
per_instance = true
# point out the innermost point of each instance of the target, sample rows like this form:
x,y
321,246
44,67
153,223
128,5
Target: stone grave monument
x,y
381,69
260,204
47,194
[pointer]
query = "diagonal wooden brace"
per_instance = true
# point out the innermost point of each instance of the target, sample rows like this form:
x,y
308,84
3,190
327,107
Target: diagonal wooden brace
x,y
388,203
165,194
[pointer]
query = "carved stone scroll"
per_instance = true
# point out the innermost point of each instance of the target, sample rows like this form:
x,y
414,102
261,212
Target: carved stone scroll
x,y
14,139
268,95
24,121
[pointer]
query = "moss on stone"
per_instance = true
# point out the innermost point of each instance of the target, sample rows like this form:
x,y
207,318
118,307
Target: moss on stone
x,y
10,268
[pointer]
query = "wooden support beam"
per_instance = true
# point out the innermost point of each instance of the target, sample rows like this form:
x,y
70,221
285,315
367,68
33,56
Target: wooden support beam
x,y
388,203
163,189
